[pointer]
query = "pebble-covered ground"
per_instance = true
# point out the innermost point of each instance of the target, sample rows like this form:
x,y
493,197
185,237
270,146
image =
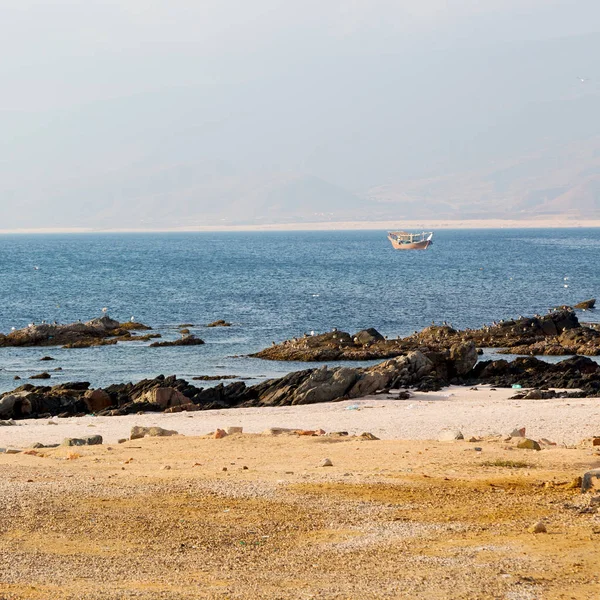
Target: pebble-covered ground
x,y
251,516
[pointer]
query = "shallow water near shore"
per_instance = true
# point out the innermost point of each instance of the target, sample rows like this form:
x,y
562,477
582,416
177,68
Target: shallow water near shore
x,y
273,286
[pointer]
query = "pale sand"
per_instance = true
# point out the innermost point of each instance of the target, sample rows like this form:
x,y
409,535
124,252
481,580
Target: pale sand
x,y
475,412
409,224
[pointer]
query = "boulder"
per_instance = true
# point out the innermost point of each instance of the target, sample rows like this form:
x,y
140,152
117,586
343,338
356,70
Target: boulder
x,y
90,440
138,432
9,402
368,336
528,444
463,357
164,397
188,340
590,480
97,400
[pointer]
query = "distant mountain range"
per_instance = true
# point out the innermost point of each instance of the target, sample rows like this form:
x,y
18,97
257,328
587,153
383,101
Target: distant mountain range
x,y
554,182
551,183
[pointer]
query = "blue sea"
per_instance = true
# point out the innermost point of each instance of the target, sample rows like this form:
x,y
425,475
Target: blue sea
x,y
273,286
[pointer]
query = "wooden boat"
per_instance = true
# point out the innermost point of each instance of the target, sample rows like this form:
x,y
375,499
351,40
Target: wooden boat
x,y
402,240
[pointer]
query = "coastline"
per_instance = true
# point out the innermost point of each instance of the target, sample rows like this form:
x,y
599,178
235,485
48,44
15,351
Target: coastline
x,y
545,223
482,411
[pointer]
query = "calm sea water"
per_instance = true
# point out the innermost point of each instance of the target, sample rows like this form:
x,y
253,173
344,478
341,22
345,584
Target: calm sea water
x,y
273,286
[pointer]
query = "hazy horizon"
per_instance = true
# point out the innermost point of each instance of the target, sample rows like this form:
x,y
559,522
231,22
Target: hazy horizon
x,y
190,113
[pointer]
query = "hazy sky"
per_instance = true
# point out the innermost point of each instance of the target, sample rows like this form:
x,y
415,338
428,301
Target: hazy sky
x,y
357,92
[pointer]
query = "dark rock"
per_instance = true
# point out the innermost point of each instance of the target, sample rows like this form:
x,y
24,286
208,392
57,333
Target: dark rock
x,y
47,358
219,323
368,336
90,440
41,376
586,304
188,340
103,330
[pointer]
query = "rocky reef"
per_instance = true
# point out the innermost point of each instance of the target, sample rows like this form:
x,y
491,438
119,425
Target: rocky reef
x,y
302,387
425,371
557,333
97,332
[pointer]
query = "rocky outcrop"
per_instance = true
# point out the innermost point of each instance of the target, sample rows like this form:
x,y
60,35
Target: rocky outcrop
x,y
425,371
557,333
98,331
186,340
577,372
586,304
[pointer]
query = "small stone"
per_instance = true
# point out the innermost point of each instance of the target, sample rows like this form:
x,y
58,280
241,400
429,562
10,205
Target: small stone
x,y
219,433
368,436
224,469
590,480
244,468
574,484
326,462
166,468
528,444
518,432
450,435
538,527
121,440
473,439
232,430
596,441
51,423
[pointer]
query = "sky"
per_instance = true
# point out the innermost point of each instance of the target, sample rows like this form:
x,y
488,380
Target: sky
x,y
357,93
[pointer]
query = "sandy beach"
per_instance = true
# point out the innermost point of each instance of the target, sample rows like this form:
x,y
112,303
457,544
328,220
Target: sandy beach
x,y
258,516
558,222
475,412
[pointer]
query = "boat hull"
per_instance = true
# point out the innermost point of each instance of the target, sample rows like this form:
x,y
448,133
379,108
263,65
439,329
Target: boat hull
x,y
412,246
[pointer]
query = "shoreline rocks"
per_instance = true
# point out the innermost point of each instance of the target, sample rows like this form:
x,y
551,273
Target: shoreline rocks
x,y
418,370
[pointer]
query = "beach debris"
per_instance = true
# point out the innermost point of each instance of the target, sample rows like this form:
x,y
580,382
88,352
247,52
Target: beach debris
x,y
368,436
90,440
538,527
450,435
353,407
590,480
528,444
233,430
138,432
326,462
516,386
517,432
219,433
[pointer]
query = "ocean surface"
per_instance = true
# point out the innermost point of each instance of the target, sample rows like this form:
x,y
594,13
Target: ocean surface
x,y
273,286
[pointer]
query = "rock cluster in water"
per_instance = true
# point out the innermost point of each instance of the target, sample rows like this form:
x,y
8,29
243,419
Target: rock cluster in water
x,y
557,333
303,387
423,371
97,332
